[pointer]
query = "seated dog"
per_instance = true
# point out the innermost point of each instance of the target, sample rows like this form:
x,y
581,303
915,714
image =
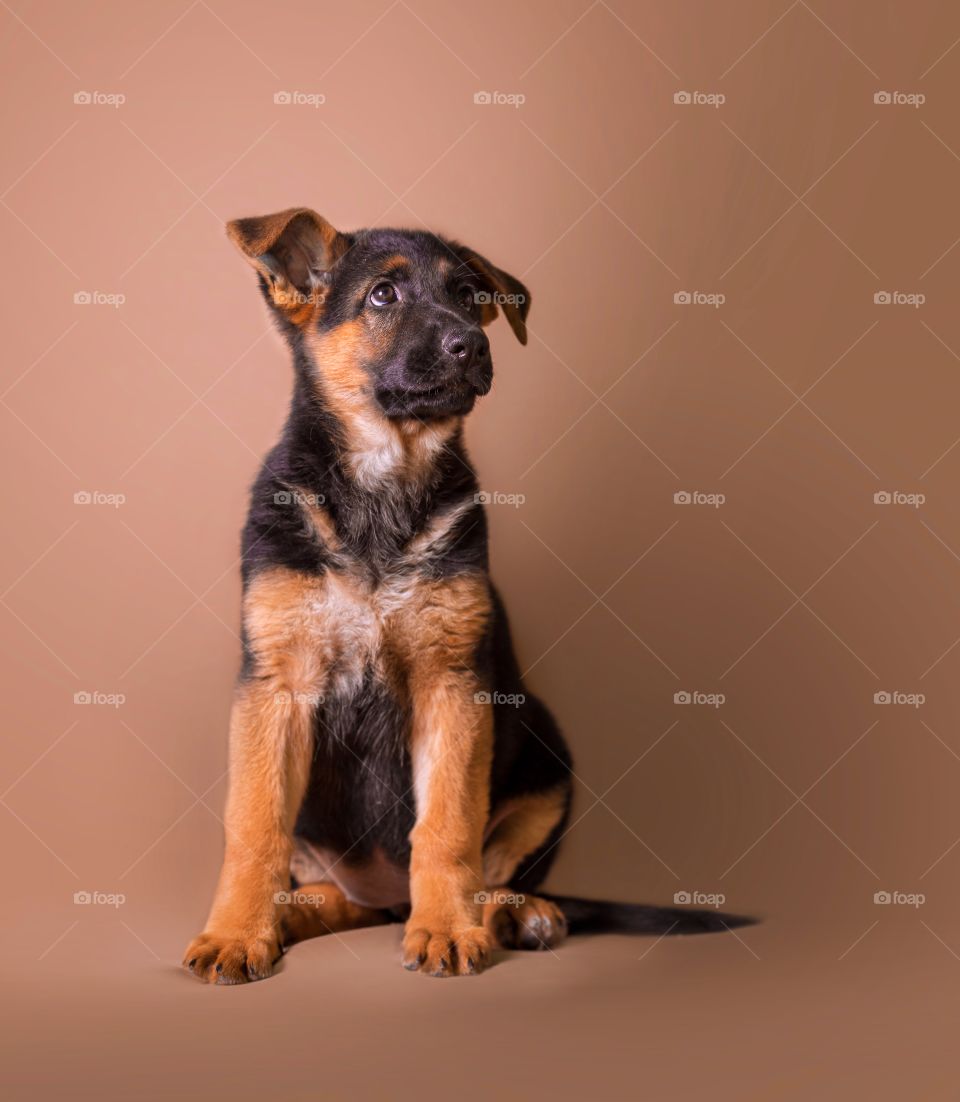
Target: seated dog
x,y
386,760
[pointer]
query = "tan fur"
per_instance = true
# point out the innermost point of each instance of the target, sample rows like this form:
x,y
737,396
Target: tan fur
x,y
319,908
523,825
291,249
452,747
299,628
270,744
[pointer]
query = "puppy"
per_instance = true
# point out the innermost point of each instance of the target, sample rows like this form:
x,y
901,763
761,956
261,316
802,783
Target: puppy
x,y
387,762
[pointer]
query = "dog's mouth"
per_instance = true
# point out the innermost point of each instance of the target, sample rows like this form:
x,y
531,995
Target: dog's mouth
x,y
451,398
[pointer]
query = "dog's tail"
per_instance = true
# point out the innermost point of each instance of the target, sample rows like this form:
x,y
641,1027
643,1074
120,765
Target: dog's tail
x,y
596,916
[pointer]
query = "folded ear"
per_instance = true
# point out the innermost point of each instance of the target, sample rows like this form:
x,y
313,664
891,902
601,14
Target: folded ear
x,y
293,251
504,290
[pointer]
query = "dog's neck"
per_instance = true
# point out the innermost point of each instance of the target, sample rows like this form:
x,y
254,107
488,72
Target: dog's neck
x,y
379,452
378,481
375,451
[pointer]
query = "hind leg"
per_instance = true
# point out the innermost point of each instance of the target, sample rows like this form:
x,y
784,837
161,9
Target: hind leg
x,y
523,921
518,851
312,910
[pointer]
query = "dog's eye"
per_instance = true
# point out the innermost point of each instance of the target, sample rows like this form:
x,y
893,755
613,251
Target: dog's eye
x,y
383,294
466,296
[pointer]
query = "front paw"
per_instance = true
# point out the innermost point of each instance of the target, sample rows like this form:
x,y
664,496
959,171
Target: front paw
x,y
446,951
218,958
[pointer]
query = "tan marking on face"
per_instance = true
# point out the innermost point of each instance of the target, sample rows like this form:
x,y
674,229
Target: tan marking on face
x,y
398,260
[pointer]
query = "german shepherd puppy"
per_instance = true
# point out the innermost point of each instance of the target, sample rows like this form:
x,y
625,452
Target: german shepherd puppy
x,y
386,760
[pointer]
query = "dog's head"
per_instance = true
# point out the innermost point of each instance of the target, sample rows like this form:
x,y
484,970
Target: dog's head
x,y
392,319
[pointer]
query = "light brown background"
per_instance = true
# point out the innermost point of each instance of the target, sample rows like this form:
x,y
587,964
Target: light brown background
x,y
798,599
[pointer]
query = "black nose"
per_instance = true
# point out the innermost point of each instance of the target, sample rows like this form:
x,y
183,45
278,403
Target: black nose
x,y
465,347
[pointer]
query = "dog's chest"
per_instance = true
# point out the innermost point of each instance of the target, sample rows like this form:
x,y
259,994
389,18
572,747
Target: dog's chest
x,y
362,625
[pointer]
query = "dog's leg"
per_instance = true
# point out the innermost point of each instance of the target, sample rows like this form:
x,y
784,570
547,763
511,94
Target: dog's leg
x,y
270,740
451,747
451,760
518,920
522,921
523,825
312,910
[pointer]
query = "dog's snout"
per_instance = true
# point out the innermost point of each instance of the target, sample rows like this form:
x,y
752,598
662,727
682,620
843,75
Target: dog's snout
x,y
465,347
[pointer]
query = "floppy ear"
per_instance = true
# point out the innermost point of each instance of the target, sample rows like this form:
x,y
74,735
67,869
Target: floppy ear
x,y
293,252
505,291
